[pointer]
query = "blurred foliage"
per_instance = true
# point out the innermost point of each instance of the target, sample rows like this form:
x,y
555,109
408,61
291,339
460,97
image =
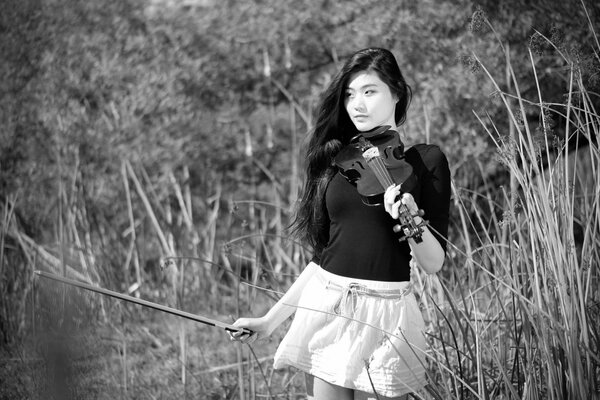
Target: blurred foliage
x,y
209,102
209,85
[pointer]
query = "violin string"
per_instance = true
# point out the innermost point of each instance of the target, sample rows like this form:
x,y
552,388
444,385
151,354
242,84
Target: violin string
x,y
385,178
381,172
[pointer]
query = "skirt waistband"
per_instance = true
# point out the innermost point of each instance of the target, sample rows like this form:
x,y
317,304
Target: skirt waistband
x,y
350,289
365,286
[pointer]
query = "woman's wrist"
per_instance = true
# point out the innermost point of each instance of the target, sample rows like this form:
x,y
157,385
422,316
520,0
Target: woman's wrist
x,y
265,324
276,315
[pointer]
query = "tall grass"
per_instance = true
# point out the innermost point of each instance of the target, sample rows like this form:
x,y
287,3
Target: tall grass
x,y
515,313
521,310
513,316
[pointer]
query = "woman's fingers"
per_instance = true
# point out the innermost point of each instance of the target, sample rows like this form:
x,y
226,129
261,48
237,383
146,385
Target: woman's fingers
x,y
244,334
408,200
389,197
250,338
395,211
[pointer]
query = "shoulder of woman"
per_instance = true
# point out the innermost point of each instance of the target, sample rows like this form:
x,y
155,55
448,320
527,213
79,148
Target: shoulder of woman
x,y
431,154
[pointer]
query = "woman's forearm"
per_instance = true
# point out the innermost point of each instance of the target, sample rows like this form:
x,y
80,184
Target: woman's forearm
x,y
282,310
428,253
286,306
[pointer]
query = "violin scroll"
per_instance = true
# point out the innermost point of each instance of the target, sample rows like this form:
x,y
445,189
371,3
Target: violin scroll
x,y
409,227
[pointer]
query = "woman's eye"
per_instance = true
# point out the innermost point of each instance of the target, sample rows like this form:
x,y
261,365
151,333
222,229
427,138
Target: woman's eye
x,y
368,92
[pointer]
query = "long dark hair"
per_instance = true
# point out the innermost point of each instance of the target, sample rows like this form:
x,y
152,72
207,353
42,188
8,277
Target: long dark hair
x,y
333,130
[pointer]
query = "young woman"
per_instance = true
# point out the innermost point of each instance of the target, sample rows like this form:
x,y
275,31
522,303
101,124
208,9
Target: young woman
x,y
357,331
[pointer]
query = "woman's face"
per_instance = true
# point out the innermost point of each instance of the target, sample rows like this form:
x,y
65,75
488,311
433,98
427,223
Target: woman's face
x,y
369,101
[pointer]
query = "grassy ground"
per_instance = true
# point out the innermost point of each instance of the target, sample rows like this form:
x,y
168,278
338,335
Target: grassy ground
x,y
514,314
141,356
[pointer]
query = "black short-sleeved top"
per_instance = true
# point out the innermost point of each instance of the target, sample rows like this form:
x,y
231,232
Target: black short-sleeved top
x,y
362,243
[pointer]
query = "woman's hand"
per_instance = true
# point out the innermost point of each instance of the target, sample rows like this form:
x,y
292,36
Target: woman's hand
x,y
392,205
263,327
428,253
260,328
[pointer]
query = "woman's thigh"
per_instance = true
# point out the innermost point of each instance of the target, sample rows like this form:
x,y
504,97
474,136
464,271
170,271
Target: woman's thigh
x,y
318,389
358,395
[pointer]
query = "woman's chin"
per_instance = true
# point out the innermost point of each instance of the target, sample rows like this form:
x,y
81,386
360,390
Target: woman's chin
x,y
365,127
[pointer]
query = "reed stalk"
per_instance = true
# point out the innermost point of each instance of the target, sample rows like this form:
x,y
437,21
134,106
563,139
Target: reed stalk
x,y
524,328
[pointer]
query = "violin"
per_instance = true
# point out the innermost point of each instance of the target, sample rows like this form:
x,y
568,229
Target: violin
x,y
374,161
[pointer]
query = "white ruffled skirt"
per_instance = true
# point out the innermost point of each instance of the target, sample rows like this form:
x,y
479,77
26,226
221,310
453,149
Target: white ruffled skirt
x,y
360,334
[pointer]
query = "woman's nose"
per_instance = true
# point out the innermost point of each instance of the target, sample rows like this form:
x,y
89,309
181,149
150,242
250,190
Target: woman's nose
x,y
358,104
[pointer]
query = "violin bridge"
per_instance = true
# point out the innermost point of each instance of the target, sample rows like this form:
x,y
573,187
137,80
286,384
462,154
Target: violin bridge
x,y
370,153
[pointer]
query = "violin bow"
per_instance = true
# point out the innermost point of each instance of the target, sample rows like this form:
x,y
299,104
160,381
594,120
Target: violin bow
x,y
156,306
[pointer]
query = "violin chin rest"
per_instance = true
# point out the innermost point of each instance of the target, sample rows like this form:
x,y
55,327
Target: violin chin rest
x,y
373,132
